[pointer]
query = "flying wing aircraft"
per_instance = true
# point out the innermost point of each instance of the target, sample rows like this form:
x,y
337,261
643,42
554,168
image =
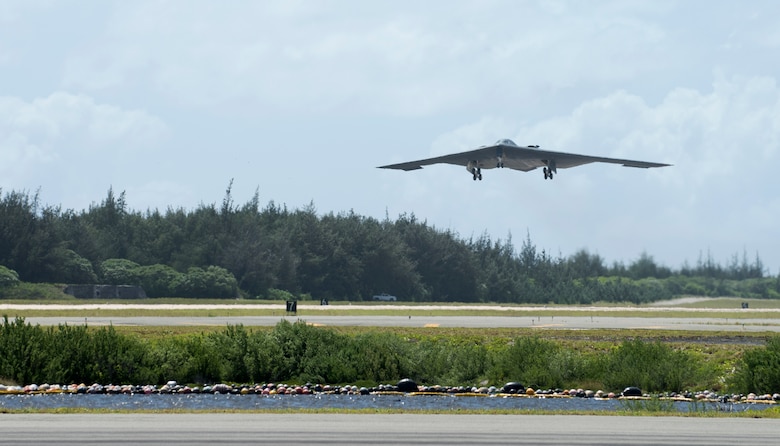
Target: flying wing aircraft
x,y
505,153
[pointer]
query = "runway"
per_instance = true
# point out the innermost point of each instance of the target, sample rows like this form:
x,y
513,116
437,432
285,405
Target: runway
x,y
542,322
392,429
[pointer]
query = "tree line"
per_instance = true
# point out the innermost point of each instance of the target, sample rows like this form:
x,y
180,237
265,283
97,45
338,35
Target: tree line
x,y
252,251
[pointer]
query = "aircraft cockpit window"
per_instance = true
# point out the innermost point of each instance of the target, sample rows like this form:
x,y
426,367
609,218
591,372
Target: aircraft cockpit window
x,y
506,142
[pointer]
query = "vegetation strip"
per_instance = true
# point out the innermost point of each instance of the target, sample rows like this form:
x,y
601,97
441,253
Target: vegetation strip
x,y
300,353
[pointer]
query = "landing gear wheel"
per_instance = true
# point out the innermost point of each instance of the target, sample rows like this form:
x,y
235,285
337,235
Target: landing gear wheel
x,y
545,173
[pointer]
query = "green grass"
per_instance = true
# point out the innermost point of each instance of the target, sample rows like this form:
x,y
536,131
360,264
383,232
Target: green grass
x,y
710,308
238,312
733,302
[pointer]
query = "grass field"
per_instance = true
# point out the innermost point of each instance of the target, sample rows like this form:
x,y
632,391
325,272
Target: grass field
x,y
725,308
689,307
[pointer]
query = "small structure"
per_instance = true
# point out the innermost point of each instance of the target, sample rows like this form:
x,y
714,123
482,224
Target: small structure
x,y
105,291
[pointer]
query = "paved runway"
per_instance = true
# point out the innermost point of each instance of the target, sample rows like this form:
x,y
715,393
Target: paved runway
x,y
559,322
395,429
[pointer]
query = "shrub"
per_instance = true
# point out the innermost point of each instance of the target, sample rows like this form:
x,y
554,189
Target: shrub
x,y
651,366
213,282
159,280
70,267
759,370
537,363
8,277
119,272
274,294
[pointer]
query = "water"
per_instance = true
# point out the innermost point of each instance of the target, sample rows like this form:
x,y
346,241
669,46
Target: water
x,y
443,402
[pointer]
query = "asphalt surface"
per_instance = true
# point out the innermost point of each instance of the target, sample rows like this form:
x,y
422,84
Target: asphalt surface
x,y
557,322
393,429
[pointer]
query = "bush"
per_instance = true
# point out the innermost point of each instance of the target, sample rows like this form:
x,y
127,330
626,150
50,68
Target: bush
x,y
34,291
274,294
538,363
759,370
69,267
159,280
119,272
8,277
297,352
448,360
213,282
64,354
651,366
21,358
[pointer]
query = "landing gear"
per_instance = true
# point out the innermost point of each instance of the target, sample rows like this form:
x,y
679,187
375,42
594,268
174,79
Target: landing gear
x,y
474,170
548,174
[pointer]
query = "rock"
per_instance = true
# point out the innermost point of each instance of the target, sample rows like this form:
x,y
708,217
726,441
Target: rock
x,y
513,387
406,385
632,391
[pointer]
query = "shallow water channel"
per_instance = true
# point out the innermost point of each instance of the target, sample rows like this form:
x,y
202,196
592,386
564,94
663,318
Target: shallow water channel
x,y
442,402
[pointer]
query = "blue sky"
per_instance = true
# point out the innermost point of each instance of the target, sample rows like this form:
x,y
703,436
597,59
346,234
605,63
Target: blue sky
x,y
301,100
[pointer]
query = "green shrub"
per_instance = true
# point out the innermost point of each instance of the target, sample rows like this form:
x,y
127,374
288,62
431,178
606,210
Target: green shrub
x,y
8,277
759,370
159,280
297,352
69,267
452,361
119,272
651,366
537,363
274,294
212,282
21,355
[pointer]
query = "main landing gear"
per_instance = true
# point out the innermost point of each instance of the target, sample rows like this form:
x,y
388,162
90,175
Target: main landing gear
x,y
477,173
548,174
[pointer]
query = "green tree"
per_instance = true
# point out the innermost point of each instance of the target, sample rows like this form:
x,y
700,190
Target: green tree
x,y
8,277
69,267
119,272
159,280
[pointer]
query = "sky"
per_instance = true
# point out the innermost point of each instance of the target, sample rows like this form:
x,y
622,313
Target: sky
x,y
170,101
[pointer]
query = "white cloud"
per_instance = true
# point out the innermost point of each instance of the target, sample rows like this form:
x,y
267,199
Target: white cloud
x,y
705,134
64,131
377,59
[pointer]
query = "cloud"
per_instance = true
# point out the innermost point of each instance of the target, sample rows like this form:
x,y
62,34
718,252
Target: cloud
x,y
705,134
370,59
64,130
